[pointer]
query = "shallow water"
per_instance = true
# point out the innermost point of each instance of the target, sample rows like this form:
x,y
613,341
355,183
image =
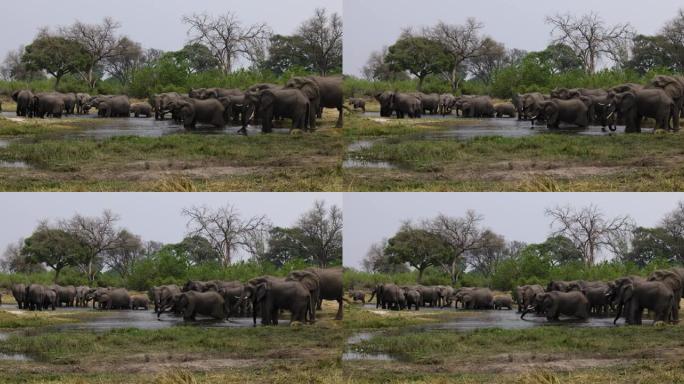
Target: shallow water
x,y
359,163
14,164
14,357
353,353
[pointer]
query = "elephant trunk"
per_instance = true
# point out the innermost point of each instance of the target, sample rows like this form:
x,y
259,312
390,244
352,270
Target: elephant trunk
x,y
618,313
528,309
254,311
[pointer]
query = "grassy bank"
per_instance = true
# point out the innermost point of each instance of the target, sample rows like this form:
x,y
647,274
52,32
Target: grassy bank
x,y
557,354
184,354
183,162
546,162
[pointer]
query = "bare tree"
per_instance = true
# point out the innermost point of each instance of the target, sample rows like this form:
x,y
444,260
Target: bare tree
x,y
322,37
100,42
128,57
14,261
98,234
377,261
256,242
589,229
493,250
224,227
127,250
463,42
493,56
590,37
673,222
463,234
14,68
227,38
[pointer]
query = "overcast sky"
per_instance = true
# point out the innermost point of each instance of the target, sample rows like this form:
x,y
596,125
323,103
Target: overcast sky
x,y
370,217
153,216
153,23
370,25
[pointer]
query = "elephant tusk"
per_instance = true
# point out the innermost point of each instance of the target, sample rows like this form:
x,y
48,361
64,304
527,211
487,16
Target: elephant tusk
x,y
611,114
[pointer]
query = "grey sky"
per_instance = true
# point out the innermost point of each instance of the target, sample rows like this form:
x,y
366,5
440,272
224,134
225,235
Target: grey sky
x,y
369,25
154,216
153,23
370,217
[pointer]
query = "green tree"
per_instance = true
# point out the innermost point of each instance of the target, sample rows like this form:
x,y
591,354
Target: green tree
x,y
55,248
416,247
197,58
649,244
284,53
55,55
284,245
420,56
198,250
650,53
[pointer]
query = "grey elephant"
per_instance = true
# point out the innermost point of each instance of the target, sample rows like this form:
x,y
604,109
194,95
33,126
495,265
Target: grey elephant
x,y
446,104
527,295
674,88
196,111
412,297
596,293
446,294
50,298
140,302
654,103
404,104
505,110
673,281
331,287
501,302
529,105
81,100
193,303
480,106
384,99
312,282
19,294
557,111
81,294
275,296
47,105
429,102
358,296
141,109
358,103
65,295
634,295
111,106
161,104
200,286
554,304
112,298
69,102
389,296
430,296
35,297
24,99
163,297
213,93
331,94
290,102
234,298
476,298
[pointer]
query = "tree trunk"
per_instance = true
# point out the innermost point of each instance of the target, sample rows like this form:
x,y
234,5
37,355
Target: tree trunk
x,y
420,83
57,271
420,274
226,255
57,80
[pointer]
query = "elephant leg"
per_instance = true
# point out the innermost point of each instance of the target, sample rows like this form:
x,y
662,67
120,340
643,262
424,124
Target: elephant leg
x,y
340,312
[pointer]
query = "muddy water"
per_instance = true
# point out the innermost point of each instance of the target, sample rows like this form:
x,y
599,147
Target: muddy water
x,y
144,127
354,353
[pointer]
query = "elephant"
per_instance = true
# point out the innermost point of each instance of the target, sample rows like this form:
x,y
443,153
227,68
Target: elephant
x,y
358,296
35,297
412,297
633,295
389,296
237,107
288,102
164,297
48,104
673,281
330,91
111,106
405,104
193,303
65,295
140,302
674,88
19,294
250,292
446,294
274,296
651,102
556,303
501,302
480,106
312,282
529,105
505,110
69,102
81,100
446,103
212,93
200,286
556,111
384,99
112,298
141,109
476,298
331,287
194,111
161,103
561,286
358,103
81,294
234,298
429,102
50,299
430,296
24,99
527,295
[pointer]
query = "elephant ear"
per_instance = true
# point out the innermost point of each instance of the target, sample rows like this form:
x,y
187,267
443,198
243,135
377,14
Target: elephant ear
x,y
261,291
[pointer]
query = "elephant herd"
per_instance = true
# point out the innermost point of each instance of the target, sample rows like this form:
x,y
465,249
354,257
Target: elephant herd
x,y
300,293
626,297
301,99
38,297
662,100
395,297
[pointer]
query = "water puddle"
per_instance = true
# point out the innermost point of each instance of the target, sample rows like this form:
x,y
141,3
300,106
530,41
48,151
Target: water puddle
x,y
14,357
358,163
4,143
355,353
14,164
510,319
360,145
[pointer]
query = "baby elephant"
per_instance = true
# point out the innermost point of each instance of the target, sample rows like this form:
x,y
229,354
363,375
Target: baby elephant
x,y
358,103
553,304
141,109
140,302
358,296
505,110
501,302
